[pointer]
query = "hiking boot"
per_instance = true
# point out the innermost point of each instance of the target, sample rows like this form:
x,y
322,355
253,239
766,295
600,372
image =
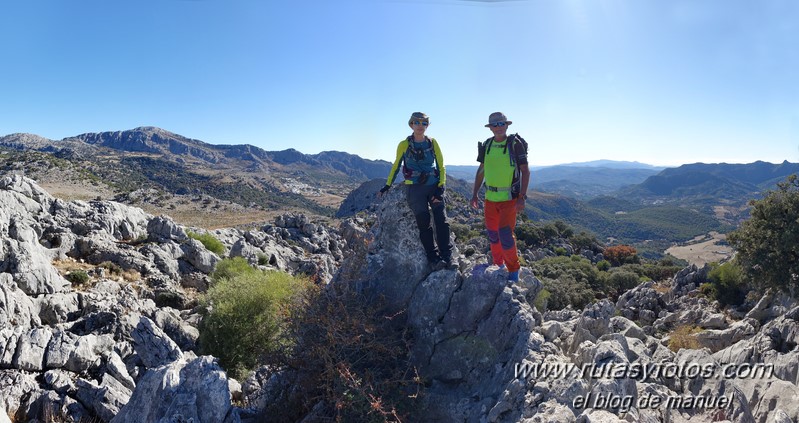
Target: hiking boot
x,y
450,264
513,276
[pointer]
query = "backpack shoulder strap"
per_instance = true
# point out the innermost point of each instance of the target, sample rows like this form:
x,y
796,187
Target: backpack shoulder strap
x,y
409,142
513,139
487,144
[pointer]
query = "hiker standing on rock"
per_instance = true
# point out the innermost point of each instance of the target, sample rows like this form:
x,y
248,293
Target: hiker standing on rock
x,y
503,166
425,175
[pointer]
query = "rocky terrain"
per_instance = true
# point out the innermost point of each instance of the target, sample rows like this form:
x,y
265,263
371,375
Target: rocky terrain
x,y
107,347
76,351
243,186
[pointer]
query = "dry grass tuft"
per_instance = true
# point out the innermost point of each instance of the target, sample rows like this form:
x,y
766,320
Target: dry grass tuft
x,y
69,267
683,337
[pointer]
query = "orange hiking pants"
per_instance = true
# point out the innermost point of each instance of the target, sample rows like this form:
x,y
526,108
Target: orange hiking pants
x,y
500,223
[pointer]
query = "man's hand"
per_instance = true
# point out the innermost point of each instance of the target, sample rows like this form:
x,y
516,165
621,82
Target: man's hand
x,y
383,191
520,204
475,202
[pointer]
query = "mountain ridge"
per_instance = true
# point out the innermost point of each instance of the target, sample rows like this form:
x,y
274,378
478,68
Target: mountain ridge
x,y
173,172
702,183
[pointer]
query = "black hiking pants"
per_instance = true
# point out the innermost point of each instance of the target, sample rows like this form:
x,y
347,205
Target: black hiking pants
x,y
421,200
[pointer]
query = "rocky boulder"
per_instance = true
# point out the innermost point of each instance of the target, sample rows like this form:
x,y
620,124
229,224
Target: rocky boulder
x,y
186,390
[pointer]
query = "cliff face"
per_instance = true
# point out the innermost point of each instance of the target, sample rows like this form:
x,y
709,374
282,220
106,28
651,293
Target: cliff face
x,y
470,327
488,355
105,348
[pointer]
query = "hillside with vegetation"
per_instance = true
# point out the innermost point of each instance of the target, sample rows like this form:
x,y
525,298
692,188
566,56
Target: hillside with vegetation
x,y
609,217
710,184
238,185
583,181
193,180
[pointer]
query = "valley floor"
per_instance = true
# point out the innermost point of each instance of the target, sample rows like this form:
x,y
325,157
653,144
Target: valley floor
x,y
703,249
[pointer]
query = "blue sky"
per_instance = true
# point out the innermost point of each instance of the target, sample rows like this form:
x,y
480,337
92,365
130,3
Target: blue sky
x,y
660,82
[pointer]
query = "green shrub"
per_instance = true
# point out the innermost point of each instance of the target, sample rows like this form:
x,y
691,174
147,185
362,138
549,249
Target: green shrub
x,y
620,281
603,265
232,267
708,289
541,301
244,315
530,234
584,241
670,260
660,271
113,268
578,267
463,232
78,277
766,243
567,291
728,283
560,251
209,241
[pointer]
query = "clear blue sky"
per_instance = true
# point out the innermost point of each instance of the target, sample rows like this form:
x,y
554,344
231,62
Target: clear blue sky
x,y
660,82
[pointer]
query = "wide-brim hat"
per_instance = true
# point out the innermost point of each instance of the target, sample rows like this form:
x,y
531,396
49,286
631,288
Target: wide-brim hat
x,y
418,116
497,117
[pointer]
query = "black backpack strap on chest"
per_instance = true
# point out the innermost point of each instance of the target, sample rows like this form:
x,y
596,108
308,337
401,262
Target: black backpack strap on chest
x,y
509,142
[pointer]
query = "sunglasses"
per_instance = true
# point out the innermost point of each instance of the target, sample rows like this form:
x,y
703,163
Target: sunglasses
x,y
498,124
418,122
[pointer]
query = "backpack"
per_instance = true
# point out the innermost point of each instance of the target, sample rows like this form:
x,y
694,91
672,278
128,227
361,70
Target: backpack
x,y
419,154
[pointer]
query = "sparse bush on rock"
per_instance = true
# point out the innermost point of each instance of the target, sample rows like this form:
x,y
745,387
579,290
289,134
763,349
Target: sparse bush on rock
x,y
727,283
683,337
78,277
620,281
245,310
209,241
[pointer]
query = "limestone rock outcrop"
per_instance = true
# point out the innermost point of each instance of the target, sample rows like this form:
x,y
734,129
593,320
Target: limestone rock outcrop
x,y
126,331
489,356
104,348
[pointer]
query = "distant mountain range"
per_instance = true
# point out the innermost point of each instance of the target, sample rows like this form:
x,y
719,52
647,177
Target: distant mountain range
x,y
675,204
612,164
611,198
153,158
710,183
579,180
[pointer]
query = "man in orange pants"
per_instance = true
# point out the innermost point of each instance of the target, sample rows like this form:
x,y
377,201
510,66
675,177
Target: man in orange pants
x,y
503,166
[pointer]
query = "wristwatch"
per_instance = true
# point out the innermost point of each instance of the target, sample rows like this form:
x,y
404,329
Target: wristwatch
x,y
523,196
